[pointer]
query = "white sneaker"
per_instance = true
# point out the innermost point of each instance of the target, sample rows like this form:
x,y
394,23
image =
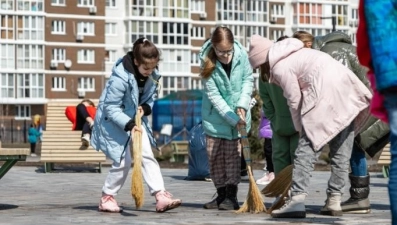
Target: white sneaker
x,y
85,140
266,179
33,155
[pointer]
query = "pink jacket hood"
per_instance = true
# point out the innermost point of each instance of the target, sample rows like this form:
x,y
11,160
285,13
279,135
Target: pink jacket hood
x,y
282,49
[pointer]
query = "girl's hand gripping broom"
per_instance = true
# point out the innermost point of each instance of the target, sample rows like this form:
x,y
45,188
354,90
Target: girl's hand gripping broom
x,y
254,201
136,153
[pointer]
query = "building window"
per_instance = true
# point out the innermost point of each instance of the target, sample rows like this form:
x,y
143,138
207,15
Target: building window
x,y
58,84
178,60
86,84
145,8
277,10
111,56
22,112
85,3
58,27
6,27
256,11
176,9
147,29
7,5
197,6
198,32
30,5
58,55
277,34
86,56
110,29
30,28
30,85
175,33
7,56
86,28
174,83
7,85
58,2
195,60
30,57
110,3
230,10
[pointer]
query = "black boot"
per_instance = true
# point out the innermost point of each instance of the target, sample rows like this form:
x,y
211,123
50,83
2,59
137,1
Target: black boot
x,y
359,191
214,204
230,203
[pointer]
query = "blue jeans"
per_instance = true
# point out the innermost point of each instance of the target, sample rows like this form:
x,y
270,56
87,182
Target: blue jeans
x,y
391,107
358,162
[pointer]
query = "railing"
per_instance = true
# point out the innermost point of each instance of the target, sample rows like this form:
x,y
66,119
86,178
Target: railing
x,y
14,130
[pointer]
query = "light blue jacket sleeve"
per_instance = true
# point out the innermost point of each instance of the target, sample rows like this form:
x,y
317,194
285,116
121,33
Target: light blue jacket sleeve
x,y
113,101
248,84
219,103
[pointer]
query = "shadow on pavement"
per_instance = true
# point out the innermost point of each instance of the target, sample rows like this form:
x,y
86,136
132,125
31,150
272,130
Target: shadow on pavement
x,y
7,206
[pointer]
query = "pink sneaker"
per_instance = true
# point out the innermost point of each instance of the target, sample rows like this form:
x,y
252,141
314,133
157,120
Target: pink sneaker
x,y
165,202
109,204
266,179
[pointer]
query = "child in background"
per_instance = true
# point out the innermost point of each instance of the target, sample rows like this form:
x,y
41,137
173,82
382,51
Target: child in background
x,y
84,121
33,135
265,132
131,89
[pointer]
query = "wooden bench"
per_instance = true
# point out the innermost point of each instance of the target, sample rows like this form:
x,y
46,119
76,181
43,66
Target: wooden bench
x,y
385,159
180,151
11,157
62,145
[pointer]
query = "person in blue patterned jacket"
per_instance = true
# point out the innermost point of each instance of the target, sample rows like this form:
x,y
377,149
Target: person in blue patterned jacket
x,y
228,85
132,88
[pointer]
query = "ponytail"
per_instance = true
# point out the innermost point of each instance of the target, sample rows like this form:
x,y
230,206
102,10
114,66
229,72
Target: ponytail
x,y
209,64
144,50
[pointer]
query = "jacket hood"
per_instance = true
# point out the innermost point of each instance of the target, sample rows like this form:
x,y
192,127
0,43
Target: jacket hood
x,y
337,36
238,48
283,49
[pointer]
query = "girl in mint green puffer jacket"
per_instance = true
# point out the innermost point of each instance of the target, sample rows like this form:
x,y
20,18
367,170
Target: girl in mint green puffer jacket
x,y
228,83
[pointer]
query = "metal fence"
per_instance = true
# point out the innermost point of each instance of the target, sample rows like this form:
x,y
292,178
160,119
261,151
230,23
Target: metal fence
x,y
15,131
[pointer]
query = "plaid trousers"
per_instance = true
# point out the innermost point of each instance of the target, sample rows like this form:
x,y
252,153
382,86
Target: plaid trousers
x,y
224,157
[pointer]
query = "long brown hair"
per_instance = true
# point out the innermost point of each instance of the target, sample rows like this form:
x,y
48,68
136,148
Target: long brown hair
x,y
265,71
220,34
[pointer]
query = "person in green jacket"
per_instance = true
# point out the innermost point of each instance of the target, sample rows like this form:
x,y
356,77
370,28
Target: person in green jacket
x,y
371,139
285,137
228,84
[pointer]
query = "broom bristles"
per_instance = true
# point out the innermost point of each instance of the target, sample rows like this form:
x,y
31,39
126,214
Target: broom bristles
x,y
280,183
254,201
279,187
136,179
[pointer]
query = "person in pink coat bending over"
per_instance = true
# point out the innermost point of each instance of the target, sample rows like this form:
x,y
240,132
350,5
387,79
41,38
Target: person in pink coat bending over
x,y
328,103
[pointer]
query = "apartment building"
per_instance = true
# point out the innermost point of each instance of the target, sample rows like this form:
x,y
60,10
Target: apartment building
x,y
50,49
59,49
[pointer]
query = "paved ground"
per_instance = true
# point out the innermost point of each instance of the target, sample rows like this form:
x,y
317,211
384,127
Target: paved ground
x,y
29,196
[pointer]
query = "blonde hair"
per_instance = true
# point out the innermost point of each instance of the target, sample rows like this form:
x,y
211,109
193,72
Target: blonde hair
x,y
304,36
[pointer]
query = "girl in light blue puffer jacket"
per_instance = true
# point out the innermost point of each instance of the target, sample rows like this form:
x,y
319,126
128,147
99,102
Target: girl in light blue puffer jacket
x,y
132,88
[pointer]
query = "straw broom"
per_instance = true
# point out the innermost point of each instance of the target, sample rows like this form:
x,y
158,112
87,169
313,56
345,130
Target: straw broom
x,y
279,187
254,201
136,152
